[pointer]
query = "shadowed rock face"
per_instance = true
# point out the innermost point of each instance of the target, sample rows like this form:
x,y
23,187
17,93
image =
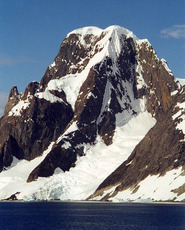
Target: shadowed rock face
x,y
111,87
13,99
28,135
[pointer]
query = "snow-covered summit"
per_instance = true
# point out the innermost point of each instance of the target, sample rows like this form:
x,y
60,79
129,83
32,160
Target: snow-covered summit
x,y
104,44
88,114
87,30
93,30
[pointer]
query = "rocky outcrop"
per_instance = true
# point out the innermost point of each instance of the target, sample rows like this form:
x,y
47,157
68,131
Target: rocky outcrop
x,y
159,82
68,59
28,129
13,99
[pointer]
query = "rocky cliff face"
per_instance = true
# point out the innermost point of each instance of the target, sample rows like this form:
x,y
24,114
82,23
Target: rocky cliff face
x,y
99,82
29,124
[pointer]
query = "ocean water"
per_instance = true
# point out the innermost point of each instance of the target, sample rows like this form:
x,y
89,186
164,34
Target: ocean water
x,y
97,216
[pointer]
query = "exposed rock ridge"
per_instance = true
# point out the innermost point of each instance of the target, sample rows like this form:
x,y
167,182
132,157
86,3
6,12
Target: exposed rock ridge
x,y
13,99
158,83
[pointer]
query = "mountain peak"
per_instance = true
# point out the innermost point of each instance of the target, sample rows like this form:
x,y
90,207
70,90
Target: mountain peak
x,y
87,30
106,101
93,30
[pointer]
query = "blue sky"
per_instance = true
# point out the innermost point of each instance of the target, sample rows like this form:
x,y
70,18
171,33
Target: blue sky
x,y
31,31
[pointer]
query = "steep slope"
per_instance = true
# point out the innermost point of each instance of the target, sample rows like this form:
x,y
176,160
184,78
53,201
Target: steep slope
x,y
161,151
77,120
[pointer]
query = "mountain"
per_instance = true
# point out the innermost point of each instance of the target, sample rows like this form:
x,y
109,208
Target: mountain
x,y
106,122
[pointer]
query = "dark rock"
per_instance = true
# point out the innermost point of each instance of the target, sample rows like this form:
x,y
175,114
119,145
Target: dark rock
x,y
13,99
13,197
160,83
58,157
28,135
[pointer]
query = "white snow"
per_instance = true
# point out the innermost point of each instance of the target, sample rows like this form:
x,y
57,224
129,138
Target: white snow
x,y
87,30
13,179
73,127
180,114
52,65
156,188
71,83
99,162
174,92
140,79
141,41
110,45
66,145
97,31
90,170
48,96
22,105
105,104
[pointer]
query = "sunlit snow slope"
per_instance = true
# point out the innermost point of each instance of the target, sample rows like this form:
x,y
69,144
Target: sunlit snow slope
x,y
81,181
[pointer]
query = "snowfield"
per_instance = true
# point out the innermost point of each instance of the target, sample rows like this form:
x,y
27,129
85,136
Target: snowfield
x,y
81,181
155,188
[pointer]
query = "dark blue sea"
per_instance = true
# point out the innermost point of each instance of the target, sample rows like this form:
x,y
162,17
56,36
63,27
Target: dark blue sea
x,y
87,216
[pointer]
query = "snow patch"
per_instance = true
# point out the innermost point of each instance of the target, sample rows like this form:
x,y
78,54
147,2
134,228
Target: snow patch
x,y
140,79
180,114
140,42
73,127
82,180
174,93
49,97
66,145
156,187
87,30
22,105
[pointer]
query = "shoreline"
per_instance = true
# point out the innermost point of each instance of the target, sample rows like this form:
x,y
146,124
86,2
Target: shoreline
x,y
96,202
